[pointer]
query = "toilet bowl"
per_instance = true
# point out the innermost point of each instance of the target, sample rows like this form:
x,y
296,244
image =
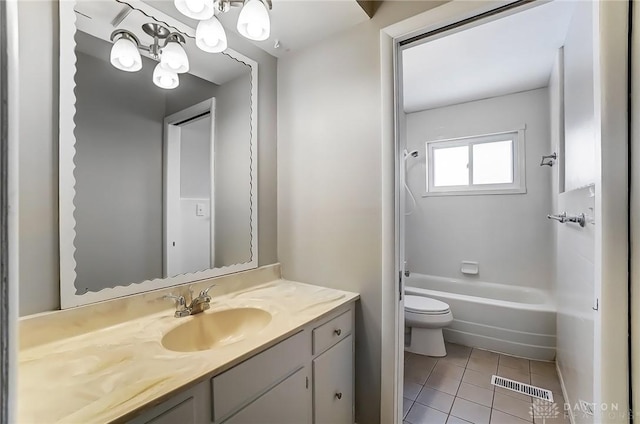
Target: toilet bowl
x,y
426,317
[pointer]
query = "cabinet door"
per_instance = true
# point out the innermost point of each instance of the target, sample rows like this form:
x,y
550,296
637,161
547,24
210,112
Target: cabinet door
x,y
287,403
191,406
333,385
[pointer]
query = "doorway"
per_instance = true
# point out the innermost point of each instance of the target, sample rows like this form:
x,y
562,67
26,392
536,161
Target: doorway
x,y
189,209
586,372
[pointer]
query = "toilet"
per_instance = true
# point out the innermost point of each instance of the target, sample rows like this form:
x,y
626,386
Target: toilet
x,y
426,318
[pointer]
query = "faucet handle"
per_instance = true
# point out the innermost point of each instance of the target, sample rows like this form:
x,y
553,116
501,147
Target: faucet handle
x,y
206,291
180,300
181,305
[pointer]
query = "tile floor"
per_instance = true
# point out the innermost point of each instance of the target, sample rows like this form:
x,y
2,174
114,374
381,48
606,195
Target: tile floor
x,y
457,389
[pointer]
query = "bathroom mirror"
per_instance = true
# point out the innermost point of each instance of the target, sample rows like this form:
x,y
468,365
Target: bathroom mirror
x,y
157,185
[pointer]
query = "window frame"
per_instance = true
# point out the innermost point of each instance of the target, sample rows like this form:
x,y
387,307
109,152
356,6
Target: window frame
x,y
518,186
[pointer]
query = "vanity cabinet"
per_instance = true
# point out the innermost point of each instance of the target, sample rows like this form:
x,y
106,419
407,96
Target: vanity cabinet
x,y
307,378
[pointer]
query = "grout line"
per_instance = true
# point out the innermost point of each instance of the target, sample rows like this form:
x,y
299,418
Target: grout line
x,y
460,381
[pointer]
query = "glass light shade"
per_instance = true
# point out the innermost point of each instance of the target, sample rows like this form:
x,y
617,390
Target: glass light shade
x,y
173,58
210,36
253,21
195,9
125,55
165,79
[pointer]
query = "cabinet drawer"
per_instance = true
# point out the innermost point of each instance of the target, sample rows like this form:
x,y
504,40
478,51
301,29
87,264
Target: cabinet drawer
x,y
333,385
243,383
332,332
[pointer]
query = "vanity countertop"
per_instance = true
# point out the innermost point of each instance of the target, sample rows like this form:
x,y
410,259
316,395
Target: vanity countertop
x,y
108,374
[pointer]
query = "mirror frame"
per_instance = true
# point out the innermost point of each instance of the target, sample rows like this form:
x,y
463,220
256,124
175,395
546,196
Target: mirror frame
x,y
67,141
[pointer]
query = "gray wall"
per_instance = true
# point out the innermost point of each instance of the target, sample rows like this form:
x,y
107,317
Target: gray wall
x,y
232,174
118,175
330,178
508,234
39,257
192,90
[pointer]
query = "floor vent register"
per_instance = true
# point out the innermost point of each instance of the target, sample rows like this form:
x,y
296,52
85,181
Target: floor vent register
x,y
525,389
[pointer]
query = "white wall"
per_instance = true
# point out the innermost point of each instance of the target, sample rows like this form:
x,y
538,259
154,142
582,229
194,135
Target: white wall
x,y
509,234
39,269
574,298
330,183
571,90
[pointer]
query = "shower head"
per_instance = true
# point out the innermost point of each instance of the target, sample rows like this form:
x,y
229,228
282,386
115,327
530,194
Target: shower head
x,y
413,154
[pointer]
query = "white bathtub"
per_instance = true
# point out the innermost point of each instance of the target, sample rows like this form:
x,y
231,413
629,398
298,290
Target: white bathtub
x,y
520,321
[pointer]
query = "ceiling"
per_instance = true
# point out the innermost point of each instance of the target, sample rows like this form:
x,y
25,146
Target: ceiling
x,y
508,55
294,23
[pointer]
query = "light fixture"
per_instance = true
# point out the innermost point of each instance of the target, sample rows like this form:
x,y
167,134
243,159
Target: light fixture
x,y
173,57
166,48
124,53
210,36
253,21
164,78
195,9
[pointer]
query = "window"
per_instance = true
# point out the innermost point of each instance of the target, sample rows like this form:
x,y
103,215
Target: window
x,y
488,164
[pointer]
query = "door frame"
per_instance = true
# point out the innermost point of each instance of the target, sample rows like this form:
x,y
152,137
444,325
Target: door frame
x,y
611,241
171,182
9,204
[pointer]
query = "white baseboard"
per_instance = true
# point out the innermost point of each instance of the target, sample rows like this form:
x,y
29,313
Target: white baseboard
x,y
564,394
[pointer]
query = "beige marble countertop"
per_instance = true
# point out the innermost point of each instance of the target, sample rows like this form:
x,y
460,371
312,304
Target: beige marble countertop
x,y
108,374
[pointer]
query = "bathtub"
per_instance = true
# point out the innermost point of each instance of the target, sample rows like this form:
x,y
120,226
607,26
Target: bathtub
x,y
519,321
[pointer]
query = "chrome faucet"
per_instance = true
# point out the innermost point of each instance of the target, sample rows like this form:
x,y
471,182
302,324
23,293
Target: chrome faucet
x,y
202,302
197,305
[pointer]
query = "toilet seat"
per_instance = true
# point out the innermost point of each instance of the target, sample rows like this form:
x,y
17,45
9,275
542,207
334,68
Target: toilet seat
x,y
424,305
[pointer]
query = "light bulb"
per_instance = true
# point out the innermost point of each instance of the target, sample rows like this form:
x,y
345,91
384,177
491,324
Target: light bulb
x,y
126,61
174,65
254,30
195,6
253,21
210,36
125,55
195,9
174,58
165,79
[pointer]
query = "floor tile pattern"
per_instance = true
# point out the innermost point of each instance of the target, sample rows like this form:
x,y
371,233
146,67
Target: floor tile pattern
x,y
457,389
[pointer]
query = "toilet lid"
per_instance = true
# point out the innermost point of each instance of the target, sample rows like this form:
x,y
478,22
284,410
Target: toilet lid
x,y
424,305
